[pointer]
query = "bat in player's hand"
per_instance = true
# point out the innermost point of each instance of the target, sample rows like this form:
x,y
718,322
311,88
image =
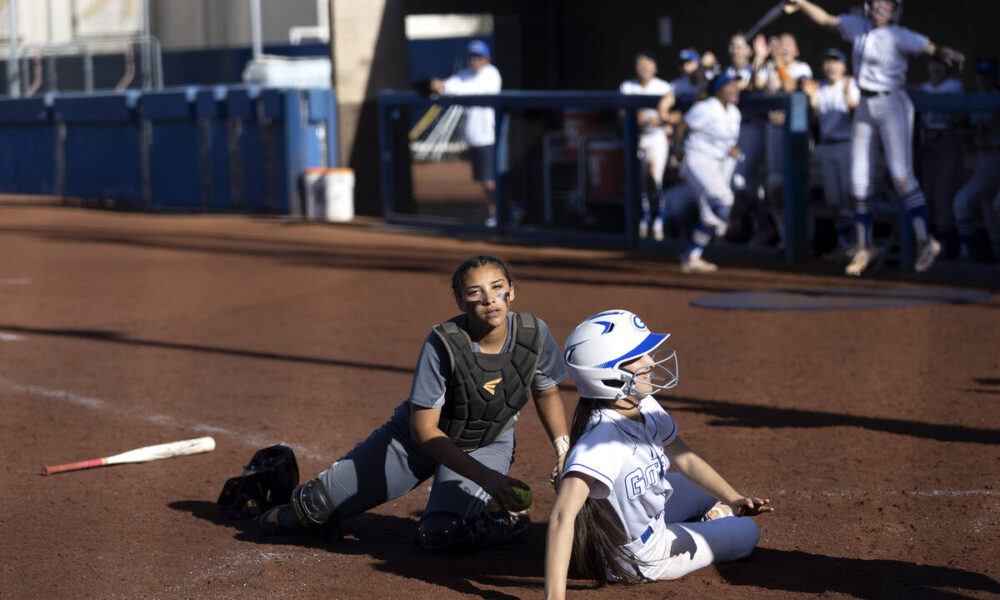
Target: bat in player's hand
x,y
147,453
769,17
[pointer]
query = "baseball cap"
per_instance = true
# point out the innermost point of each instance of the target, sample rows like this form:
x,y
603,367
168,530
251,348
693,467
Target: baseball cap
x,y
478,48
834,53
688,54
988,67
725,77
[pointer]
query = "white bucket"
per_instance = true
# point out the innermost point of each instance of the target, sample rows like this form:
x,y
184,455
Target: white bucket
x,y
328,194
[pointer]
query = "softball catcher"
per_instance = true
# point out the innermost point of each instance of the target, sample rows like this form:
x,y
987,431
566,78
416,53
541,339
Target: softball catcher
x,y
474,374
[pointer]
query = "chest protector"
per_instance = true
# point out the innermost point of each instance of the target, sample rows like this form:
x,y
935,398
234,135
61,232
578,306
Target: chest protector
x,y
487,390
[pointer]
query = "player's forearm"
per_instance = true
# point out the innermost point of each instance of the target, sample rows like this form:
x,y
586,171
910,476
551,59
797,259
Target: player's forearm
x,y
816,14
700,473
551,412
558,548
445,452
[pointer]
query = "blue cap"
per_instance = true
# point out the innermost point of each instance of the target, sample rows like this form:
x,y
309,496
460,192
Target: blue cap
x,y
987,67
689,54
834,53
725,77
478,48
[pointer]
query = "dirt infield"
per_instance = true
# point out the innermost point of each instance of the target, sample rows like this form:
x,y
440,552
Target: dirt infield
x,y
875,432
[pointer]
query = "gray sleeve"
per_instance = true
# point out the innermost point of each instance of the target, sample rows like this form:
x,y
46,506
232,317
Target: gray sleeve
x,y
551,369
430,378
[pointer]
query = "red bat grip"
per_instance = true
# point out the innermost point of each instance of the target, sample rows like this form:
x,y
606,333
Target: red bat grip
x,y
83,464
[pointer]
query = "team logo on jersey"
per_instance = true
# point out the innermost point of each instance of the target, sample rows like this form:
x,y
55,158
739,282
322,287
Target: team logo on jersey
x,y
491,386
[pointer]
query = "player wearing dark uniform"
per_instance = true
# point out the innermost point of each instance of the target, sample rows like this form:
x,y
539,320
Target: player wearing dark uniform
x,y
474,374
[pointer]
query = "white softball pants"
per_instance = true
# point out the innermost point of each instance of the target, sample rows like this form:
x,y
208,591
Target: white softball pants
x,y
888,118
677,547
709,178
653,151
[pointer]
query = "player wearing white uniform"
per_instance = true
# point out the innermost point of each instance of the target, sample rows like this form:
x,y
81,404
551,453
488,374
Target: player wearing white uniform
x,y
653,145
618,511
834,102
881,56
479,77
710,155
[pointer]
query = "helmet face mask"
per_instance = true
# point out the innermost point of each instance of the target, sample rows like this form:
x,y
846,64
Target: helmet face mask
x,y
599,347
897,10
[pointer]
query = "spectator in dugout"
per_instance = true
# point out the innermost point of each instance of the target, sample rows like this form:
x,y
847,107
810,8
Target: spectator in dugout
x,y
980,196
941,156
479,77
782,72
690,84
833,102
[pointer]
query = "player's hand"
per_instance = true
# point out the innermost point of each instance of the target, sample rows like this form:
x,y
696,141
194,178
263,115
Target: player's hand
x,y
734,152
555,477
760,47
751,506
437,86
809,86
499,487
791,6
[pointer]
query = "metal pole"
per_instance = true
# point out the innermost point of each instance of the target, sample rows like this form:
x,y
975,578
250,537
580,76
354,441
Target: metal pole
x,y
255,28
147,68
13,60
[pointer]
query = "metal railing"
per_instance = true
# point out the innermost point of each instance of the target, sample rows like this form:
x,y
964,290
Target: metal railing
x,y
31,58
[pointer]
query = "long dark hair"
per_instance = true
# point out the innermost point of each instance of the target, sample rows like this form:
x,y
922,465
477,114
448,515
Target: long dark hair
x,y
599,536
458,278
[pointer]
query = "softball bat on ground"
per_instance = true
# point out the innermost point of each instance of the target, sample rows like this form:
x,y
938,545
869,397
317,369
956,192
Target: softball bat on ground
x,y
144,454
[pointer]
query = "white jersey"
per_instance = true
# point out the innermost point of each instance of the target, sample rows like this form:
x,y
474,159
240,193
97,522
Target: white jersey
x,y
940,121
796,70
744,73
627,462
714,128
654,87
685,89
480,121
832,111
881,54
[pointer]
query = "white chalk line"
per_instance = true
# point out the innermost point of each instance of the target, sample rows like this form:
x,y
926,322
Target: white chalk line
x,y
860,493
15,281
166,420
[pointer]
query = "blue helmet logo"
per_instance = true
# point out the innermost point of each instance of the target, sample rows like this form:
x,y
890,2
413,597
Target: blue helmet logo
x,y
638,323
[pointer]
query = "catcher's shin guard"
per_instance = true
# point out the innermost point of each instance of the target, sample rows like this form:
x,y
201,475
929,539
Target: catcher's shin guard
x,y
312,506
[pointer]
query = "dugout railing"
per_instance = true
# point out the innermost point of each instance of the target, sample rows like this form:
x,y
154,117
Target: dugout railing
x,y
396,107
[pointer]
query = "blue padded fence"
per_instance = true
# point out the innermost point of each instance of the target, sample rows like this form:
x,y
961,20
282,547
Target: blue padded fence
x,y
193,149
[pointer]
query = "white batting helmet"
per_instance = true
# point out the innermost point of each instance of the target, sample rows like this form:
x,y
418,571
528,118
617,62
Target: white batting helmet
x,y
598,347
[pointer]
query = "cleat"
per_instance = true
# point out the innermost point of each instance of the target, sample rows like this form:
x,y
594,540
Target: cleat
x,y
860,261
501,526
697,265
280,519
491,221
658,229
643,228
926,253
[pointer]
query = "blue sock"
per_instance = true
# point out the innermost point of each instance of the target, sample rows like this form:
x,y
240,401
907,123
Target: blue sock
x,y
699,240
864,224
645,206
918,214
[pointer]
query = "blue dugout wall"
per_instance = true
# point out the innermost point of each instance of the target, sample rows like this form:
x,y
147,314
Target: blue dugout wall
x,y
193,149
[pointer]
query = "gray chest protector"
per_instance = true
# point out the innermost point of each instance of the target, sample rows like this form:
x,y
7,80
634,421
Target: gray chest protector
x,y
486,390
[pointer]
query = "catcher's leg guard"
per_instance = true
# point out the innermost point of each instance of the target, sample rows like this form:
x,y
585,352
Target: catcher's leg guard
x,y
441,530
311,504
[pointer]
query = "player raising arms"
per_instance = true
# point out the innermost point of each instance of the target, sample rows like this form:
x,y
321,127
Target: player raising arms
x,y
618,511
881,56
474,374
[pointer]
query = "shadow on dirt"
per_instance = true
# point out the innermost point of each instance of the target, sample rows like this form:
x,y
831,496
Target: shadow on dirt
x,y
731,414
817,575
392,541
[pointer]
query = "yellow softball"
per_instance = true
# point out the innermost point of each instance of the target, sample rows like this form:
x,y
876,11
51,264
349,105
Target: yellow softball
x,y
523,501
